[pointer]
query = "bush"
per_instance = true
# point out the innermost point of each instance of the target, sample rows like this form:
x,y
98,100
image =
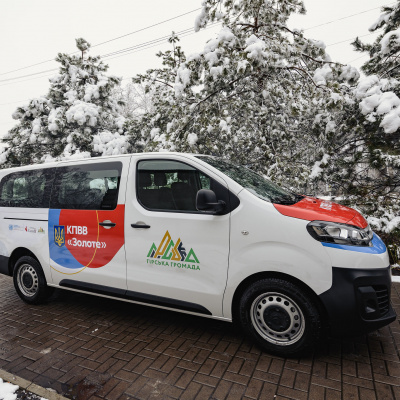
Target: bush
x,y
392,241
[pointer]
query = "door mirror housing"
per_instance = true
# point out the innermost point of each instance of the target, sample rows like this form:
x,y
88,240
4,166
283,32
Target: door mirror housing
x,y
206,200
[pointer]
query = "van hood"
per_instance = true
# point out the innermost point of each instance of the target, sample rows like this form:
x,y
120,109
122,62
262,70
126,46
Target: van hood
x,y
312,209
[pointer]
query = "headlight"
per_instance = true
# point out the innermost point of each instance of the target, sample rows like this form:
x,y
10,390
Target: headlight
x,y
334,232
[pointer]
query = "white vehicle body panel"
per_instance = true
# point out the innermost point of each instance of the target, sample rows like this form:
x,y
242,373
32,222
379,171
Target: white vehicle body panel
x,y
218,252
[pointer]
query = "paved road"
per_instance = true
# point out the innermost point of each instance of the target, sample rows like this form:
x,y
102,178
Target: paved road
x,y
86,347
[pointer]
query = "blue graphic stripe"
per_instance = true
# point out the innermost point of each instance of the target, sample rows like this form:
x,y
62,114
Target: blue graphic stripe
x,y
378,247
61,255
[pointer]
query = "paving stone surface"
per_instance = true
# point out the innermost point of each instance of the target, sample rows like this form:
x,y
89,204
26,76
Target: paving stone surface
x,y
86,347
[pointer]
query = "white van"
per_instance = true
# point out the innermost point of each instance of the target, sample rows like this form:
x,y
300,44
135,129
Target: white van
x,y
199,235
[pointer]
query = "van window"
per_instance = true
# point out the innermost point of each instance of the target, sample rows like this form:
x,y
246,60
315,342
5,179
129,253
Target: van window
x,y
26,189
87,186
169,185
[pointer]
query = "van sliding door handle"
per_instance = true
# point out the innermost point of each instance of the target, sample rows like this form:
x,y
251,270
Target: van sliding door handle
x,y
107,224
143,226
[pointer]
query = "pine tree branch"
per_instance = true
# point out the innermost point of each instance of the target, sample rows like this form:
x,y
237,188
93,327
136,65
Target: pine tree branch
x,y
304,74
287,29
157,80
320,61
393,68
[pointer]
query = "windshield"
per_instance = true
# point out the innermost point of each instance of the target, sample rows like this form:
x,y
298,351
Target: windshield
x,y
254,183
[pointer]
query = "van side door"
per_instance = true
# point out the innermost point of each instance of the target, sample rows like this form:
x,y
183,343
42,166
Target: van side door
x,y
176,255
86,225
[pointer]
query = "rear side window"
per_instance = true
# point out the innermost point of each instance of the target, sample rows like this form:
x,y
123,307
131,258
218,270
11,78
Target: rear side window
x,y
87,186
27,188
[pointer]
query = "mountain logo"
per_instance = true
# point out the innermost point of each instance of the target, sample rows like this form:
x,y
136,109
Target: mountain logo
x,y
168,250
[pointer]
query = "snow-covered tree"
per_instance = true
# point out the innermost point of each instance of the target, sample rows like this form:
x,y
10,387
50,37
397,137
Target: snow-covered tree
x,y
378,97
78,117
378,93
384,52
259,93
264,95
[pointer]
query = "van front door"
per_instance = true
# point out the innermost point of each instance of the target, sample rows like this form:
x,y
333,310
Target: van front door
x,y
86,226
176,256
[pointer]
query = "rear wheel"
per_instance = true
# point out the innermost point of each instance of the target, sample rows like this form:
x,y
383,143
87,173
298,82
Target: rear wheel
x,y
30,282
280,317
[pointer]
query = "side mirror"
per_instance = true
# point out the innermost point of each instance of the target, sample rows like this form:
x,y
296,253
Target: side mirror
x,y
206,200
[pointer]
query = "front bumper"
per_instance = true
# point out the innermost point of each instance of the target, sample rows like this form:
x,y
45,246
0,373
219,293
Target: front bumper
x,y
358,301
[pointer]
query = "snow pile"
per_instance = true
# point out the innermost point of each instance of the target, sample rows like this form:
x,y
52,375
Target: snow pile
x,y
349,74
225,36
36,126
216,71
387,223
330,127
211,57
73,154
383,18
377,102
255,48
322,75
242,65
107,143
192,138
318,43
316,169
91,91
55,119
201,19
120,121
210,54
7,391
83,113
182,80
33,109
154,133
390,37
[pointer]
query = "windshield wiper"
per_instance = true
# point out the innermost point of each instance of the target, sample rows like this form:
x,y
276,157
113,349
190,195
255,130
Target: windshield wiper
x,y
290,201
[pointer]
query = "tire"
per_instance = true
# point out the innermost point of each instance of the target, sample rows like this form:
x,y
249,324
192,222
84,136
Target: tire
x,y
30,282
280,317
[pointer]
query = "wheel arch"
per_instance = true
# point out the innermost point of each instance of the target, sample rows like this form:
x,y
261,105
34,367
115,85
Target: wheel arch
x,y
278,275
16,255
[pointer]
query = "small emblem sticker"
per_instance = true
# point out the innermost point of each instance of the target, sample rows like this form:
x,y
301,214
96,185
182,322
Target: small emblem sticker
x,y
16,228
59,235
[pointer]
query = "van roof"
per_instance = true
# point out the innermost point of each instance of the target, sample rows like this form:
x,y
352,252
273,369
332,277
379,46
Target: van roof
x,y
84,159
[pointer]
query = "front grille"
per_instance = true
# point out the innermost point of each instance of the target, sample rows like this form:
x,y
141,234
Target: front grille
x,y
382,294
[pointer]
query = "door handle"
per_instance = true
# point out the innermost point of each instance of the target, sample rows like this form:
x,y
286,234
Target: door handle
x,y
142,225
107,224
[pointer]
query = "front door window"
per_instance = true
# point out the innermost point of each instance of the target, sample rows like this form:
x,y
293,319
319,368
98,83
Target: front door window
x,y
169,185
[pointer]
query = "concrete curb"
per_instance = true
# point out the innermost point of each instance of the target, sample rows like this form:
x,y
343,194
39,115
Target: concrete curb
x,y
30,386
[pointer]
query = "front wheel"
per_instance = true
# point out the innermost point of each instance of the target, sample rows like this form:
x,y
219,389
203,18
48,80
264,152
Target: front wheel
x,y
30,282
280,317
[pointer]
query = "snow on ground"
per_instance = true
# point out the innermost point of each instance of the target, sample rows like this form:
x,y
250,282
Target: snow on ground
x,y
395,278
7,390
